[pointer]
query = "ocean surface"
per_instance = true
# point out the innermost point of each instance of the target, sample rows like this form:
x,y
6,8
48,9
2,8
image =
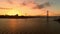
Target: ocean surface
x,y
29,26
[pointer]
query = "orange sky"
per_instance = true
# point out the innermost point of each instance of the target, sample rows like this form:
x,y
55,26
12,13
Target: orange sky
x,y
21,9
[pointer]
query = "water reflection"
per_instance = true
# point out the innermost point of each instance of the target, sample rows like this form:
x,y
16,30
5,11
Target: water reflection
x,y
32,25
12,24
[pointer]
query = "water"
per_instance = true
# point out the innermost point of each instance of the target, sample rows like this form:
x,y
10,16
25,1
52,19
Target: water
x,y
29,26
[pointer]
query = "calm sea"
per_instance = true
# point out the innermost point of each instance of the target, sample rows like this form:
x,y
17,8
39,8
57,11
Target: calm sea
x,y
29,26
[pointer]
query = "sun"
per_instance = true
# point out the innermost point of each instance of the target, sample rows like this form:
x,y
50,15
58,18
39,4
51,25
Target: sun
x,y
14,12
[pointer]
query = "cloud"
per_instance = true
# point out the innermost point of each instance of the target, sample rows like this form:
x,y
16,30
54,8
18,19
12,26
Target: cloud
x,y
9,1
47,4
24,7
29,2
5,8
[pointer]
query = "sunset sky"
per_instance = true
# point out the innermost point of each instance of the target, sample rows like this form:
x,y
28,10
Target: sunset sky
x,y
29,7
